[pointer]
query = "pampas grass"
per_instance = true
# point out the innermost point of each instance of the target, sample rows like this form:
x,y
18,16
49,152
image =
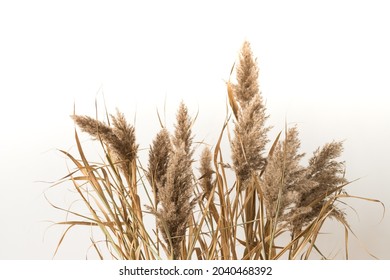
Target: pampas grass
x,y
198,212
176,195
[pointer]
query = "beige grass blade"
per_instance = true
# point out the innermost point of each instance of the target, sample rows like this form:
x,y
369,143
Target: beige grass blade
x,y
232,100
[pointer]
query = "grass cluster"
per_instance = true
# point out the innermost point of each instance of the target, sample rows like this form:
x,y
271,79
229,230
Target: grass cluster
x,y
199,213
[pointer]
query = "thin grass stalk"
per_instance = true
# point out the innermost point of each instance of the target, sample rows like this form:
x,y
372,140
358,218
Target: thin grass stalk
x,y
231,213
194,237
88,171
135,213
314,236
314,230
222,222
250,215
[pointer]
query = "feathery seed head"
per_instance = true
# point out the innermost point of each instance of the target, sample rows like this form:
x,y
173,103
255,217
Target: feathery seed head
x,y
158,160
182,133
250,131
95,128
247,76
120,138
175,200
176,203
206,172
284,175
124,144
326,174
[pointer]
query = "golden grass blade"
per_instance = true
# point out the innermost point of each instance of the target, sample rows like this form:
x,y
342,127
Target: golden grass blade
x,y
222,223
315,227
232,100
97,250
71,212
195,236
78,223
61,239
94,182
198,252
276,141
366,199
357,238
346,243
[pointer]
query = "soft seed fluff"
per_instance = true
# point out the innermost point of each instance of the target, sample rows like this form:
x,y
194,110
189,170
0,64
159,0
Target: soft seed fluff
x,y
284,178
176,202
124,144
250,131
327,174
206,172
247,76
120,138
182,135
159,155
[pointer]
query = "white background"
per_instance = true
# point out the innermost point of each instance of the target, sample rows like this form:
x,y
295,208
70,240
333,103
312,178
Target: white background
x,y
324,65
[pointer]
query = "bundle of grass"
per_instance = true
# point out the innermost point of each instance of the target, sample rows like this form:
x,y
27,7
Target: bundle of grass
x,y
295,199
294,196
207,216
171,164
109,190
